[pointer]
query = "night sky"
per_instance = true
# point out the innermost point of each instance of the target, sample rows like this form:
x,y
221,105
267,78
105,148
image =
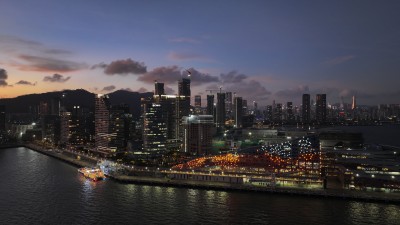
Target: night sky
x,y
262,50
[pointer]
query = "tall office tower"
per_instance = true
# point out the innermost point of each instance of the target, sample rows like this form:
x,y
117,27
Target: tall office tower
x,y
2,118
353,103
197,104
43,108
197,101
306,109
228,104
245,111
220,120
238,112
159,88
65,121
183,103
321,108
102,125
198,134
119,126
154,127
210,105
269,113
289,112
278,113
55,106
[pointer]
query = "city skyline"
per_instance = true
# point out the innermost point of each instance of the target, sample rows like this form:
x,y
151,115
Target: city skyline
x,y
264,51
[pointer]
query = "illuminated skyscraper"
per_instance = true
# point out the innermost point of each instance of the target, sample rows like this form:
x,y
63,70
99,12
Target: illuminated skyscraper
x,y
198,134
154,127
102,125
159,88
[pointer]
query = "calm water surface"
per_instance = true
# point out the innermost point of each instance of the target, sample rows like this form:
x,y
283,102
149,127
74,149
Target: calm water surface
x,y
37,189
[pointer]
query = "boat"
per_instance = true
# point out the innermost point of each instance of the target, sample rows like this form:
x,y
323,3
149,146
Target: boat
x,y
94,174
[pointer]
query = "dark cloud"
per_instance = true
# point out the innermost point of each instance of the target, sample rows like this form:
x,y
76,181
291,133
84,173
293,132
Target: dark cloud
x,y
3,77
232,77
169,90
56,78
24,82
101,65
13,44
171,75
142,90
126,89
109,88
122,67
250,90
293,92
47,64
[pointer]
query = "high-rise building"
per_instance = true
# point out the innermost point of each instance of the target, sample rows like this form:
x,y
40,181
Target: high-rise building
x,y
245,109
159,88
102,126
221,113
278,113
198,134
197,101
353,103
238,112
269,114
321,108
306,108
2,118
154,127
289,112
119,126
228,104
210,105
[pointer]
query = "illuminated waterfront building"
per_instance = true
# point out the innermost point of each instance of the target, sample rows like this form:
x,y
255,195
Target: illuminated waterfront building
x,y
198,134
103,135
154,127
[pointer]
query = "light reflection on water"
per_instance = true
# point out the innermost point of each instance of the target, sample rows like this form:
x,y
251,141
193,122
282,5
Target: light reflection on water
x,y
52,192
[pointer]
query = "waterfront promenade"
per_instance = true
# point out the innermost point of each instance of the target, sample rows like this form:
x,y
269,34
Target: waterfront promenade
x,y
161,179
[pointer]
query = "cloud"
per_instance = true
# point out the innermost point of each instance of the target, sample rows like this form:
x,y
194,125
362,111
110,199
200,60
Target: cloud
x,y
169,90
250,90
184,56
127,89
171,75
24,82
339,60
3,77
47,64
15,44
56,78
293,92
142,90
109,88
185,40
122,67
232,77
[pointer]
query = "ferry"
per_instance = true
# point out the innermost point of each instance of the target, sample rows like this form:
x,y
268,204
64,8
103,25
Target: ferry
x,y
94,174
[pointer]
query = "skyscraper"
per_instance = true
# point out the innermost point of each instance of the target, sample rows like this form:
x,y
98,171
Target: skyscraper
x,y
154,127
210,104
197,101
289,112
306,109
221,113
102,125
2,118
198,134
321,108
158,88
238,112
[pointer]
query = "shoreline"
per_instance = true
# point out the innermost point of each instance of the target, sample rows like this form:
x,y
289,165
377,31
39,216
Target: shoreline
x,y
220,186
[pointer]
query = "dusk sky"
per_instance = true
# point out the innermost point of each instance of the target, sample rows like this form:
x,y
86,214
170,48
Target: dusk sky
x,y
262,50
